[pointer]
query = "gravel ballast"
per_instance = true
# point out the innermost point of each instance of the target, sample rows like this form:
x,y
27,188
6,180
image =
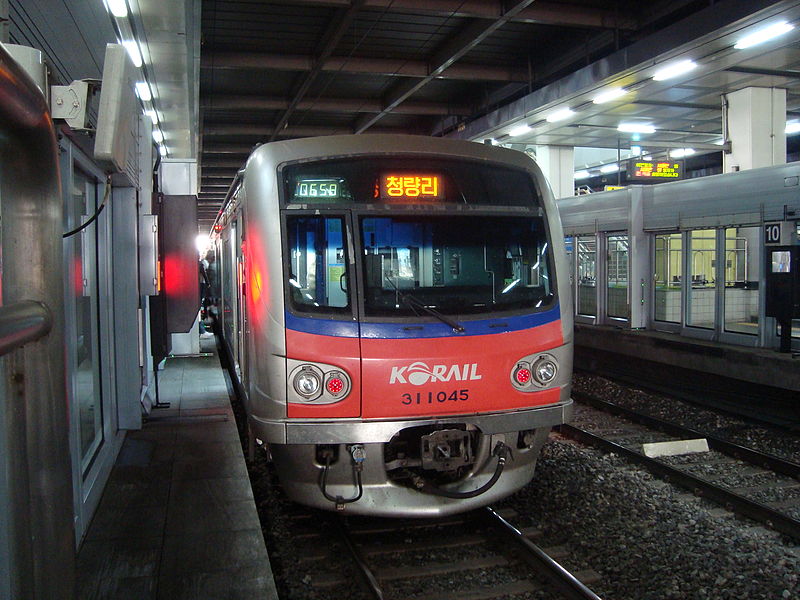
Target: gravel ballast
x,y
647,539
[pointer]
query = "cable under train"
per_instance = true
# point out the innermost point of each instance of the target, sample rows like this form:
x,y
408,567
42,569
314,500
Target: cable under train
x,y
398,312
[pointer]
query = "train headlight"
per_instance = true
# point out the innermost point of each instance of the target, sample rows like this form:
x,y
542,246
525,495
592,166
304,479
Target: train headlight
x,y
522,374
337,384
545,370
308,382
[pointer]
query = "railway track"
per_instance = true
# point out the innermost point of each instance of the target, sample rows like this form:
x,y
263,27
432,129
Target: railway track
x,y
477,556
745,481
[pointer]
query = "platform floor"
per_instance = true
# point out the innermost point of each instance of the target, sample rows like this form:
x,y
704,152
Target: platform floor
x,y
177,519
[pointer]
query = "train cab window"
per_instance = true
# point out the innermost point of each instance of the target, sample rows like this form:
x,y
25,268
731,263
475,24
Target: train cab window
x,y
317,280
455,264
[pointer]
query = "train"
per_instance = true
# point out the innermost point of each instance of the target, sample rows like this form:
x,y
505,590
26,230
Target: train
x,y
397,311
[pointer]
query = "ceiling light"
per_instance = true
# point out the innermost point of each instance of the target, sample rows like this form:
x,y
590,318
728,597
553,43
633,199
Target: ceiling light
x,y
636,150
674,70
519,130
792,127
143,90
162,150
582,174
681,152
560,115
153,116
636,128
132,46
118,8
612,168
609,95
158,136
764,35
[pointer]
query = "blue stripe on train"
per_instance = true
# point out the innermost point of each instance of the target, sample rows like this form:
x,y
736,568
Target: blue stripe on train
x,y
410,330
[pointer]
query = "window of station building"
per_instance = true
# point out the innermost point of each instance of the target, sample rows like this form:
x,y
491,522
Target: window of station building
x,y
702,264
742,273
617,277
668,277
586,294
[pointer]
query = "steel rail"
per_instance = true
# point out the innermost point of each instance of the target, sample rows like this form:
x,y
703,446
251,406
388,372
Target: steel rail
x,y
364,571
779,465
565,581
739,504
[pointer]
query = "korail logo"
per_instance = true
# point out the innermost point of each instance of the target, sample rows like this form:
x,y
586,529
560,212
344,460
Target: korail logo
x,y
419,373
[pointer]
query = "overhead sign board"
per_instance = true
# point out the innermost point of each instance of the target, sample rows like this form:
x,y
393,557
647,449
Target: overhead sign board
x,y
655,170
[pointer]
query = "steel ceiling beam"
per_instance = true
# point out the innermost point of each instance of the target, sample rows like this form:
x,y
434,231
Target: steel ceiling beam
x,y
447,54
543,13
260,132
336,29
769,72
235,103
388,67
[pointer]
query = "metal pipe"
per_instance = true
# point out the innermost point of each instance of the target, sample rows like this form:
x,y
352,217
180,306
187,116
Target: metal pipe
x,y
41,540
23,322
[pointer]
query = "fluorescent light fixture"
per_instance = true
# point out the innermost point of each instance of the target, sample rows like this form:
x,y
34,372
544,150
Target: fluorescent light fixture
x,y
560,115
162,150
636,128
158,136
609,95
510,286
636,150
681,152
792,127
764,35
132,46
612,168
118,8
582,174
143,91
521,129
153,116
674,70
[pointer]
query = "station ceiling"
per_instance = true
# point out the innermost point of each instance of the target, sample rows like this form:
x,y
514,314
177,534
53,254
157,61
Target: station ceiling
x,y
230,74
476,69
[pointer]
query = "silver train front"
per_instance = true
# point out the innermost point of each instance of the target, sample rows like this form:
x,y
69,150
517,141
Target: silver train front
x,y
357,453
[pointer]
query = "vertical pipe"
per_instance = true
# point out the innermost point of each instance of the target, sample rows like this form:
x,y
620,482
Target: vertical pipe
x,y
41,538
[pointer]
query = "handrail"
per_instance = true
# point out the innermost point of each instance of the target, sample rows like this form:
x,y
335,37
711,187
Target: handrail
x,y
23,322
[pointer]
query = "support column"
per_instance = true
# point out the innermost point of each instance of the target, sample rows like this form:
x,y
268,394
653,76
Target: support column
x,y
178,177
558,165
755,121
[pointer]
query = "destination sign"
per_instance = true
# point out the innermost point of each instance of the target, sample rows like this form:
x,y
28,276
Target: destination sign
x,y
655,170
411,186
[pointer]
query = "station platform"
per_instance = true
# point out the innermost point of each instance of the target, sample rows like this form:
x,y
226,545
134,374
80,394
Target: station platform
x,y
687,366
177,519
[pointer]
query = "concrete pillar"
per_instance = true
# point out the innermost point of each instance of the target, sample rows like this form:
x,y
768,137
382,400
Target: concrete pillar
x,y
558,165
755,119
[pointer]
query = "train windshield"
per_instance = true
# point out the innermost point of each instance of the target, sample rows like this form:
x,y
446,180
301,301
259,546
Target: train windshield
x,y
454,265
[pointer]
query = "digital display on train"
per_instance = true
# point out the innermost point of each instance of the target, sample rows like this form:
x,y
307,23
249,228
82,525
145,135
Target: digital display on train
x,y
655,170
411,186
317,188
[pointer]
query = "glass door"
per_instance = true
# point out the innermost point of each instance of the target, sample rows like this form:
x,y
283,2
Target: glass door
x,y
742,272
668,276
617,277
702,292
82,290
586,280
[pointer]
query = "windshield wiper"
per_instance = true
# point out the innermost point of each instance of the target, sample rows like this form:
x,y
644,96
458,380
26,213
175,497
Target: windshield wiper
x,y
414,302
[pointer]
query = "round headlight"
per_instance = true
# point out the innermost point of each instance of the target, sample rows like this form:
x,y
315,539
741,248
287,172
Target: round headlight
x,y
307,383
545,370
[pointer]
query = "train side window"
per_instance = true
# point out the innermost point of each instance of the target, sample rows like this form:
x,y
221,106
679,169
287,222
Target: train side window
x,y
317,248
